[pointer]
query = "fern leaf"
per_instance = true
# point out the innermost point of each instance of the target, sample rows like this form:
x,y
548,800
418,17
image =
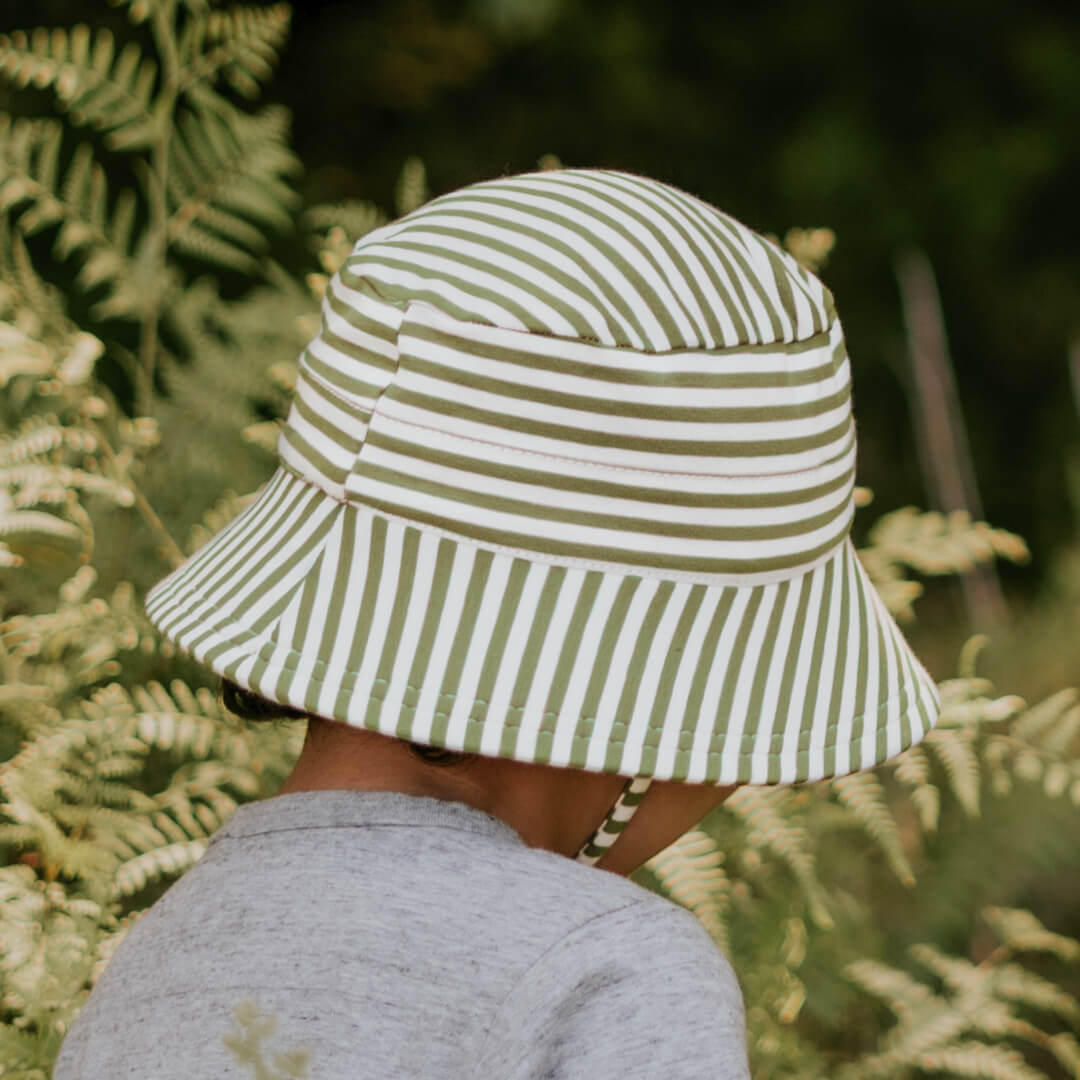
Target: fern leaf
x,y
244,44
95,86
77,209
956,753
773,827
169,861
691,872
1015,983
226,179
1021,931
913,770
978,1061
864,796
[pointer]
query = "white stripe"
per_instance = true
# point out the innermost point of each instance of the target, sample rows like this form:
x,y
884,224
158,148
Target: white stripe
x,y
727,361
825,707
578,683
501,261
768,483
540,495
420,595
710,723
393,277
428,704
616,675
763,754
380,618
638,724
533,718
599,266
848,705
632,211
308,649
469,276
499,716
464,515
733,754
506,408
599,263
657,209
473,668
791,724
613,394
678,706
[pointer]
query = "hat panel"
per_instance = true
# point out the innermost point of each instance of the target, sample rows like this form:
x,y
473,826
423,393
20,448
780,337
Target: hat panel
x,y
654,268
581,467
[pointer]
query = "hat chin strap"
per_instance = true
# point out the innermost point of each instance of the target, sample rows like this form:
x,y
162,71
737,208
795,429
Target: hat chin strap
x,y
609,830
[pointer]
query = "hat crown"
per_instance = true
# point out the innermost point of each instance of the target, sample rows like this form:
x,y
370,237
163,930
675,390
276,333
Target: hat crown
x,y
593,255
590,366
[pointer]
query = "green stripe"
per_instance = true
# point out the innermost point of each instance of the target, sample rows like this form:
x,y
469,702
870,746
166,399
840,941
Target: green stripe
x,y
628,440
489,672
597,290
440,584
763,662
776,413
733,670
796,649
695,699
605,651
361,628
545,609
494,466
600,552
455,664
621,523
404,578
635,672
575,631
666,371
666,685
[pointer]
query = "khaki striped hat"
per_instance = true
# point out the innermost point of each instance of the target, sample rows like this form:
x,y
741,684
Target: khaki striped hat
x,y
568,479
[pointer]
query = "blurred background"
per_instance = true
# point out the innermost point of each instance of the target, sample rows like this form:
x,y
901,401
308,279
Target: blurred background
x,y
940,142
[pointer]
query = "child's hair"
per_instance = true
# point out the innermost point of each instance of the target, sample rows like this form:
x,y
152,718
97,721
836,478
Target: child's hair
x,y
254,707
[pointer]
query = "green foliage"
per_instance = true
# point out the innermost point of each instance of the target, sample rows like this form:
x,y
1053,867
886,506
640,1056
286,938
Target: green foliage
x,y
116,760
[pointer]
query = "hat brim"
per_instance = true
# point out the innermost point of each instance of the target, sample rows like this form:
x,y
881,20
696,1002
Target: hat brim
x,y
380,623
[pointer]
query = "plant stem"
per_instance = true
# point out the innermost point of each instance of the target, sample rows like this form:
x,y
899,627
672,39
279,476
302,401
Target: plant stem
x,y
164,27
170,550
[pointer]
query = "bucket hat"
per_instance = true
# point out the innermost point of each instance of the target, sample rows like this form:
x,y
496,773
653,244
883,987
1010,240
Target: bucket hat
x,y
568,479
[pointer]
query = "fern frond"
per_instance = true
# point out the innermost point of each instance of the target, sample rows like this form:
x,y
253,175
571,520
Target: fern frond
x,y
240,45
226,185
767,814
76,206
1021,931
979,1061
354,218
956,752
912,769
168,861
95,86
864,796
691,872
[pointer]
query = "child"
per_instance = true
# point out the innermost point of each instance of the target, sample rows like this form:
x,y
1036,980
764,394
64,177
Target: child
x,y
557,554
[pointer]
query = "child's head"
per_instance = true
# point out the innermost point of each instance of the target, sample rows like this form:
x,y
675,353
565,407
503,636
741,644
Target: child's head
x,y
568,480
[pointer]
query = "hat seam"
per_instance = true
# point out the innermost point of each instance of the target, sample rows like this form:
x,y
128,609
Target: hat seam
x,y
604,465
404,304
762,578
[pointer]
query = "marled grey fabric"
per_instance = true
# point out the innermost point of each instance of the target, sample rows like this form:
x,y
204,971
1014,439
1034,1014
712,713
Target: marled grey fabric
x,y
404,937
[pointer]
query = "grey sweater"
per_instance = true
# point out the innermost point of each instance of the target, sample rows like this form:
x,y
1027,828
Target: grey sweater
x,y
400,937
